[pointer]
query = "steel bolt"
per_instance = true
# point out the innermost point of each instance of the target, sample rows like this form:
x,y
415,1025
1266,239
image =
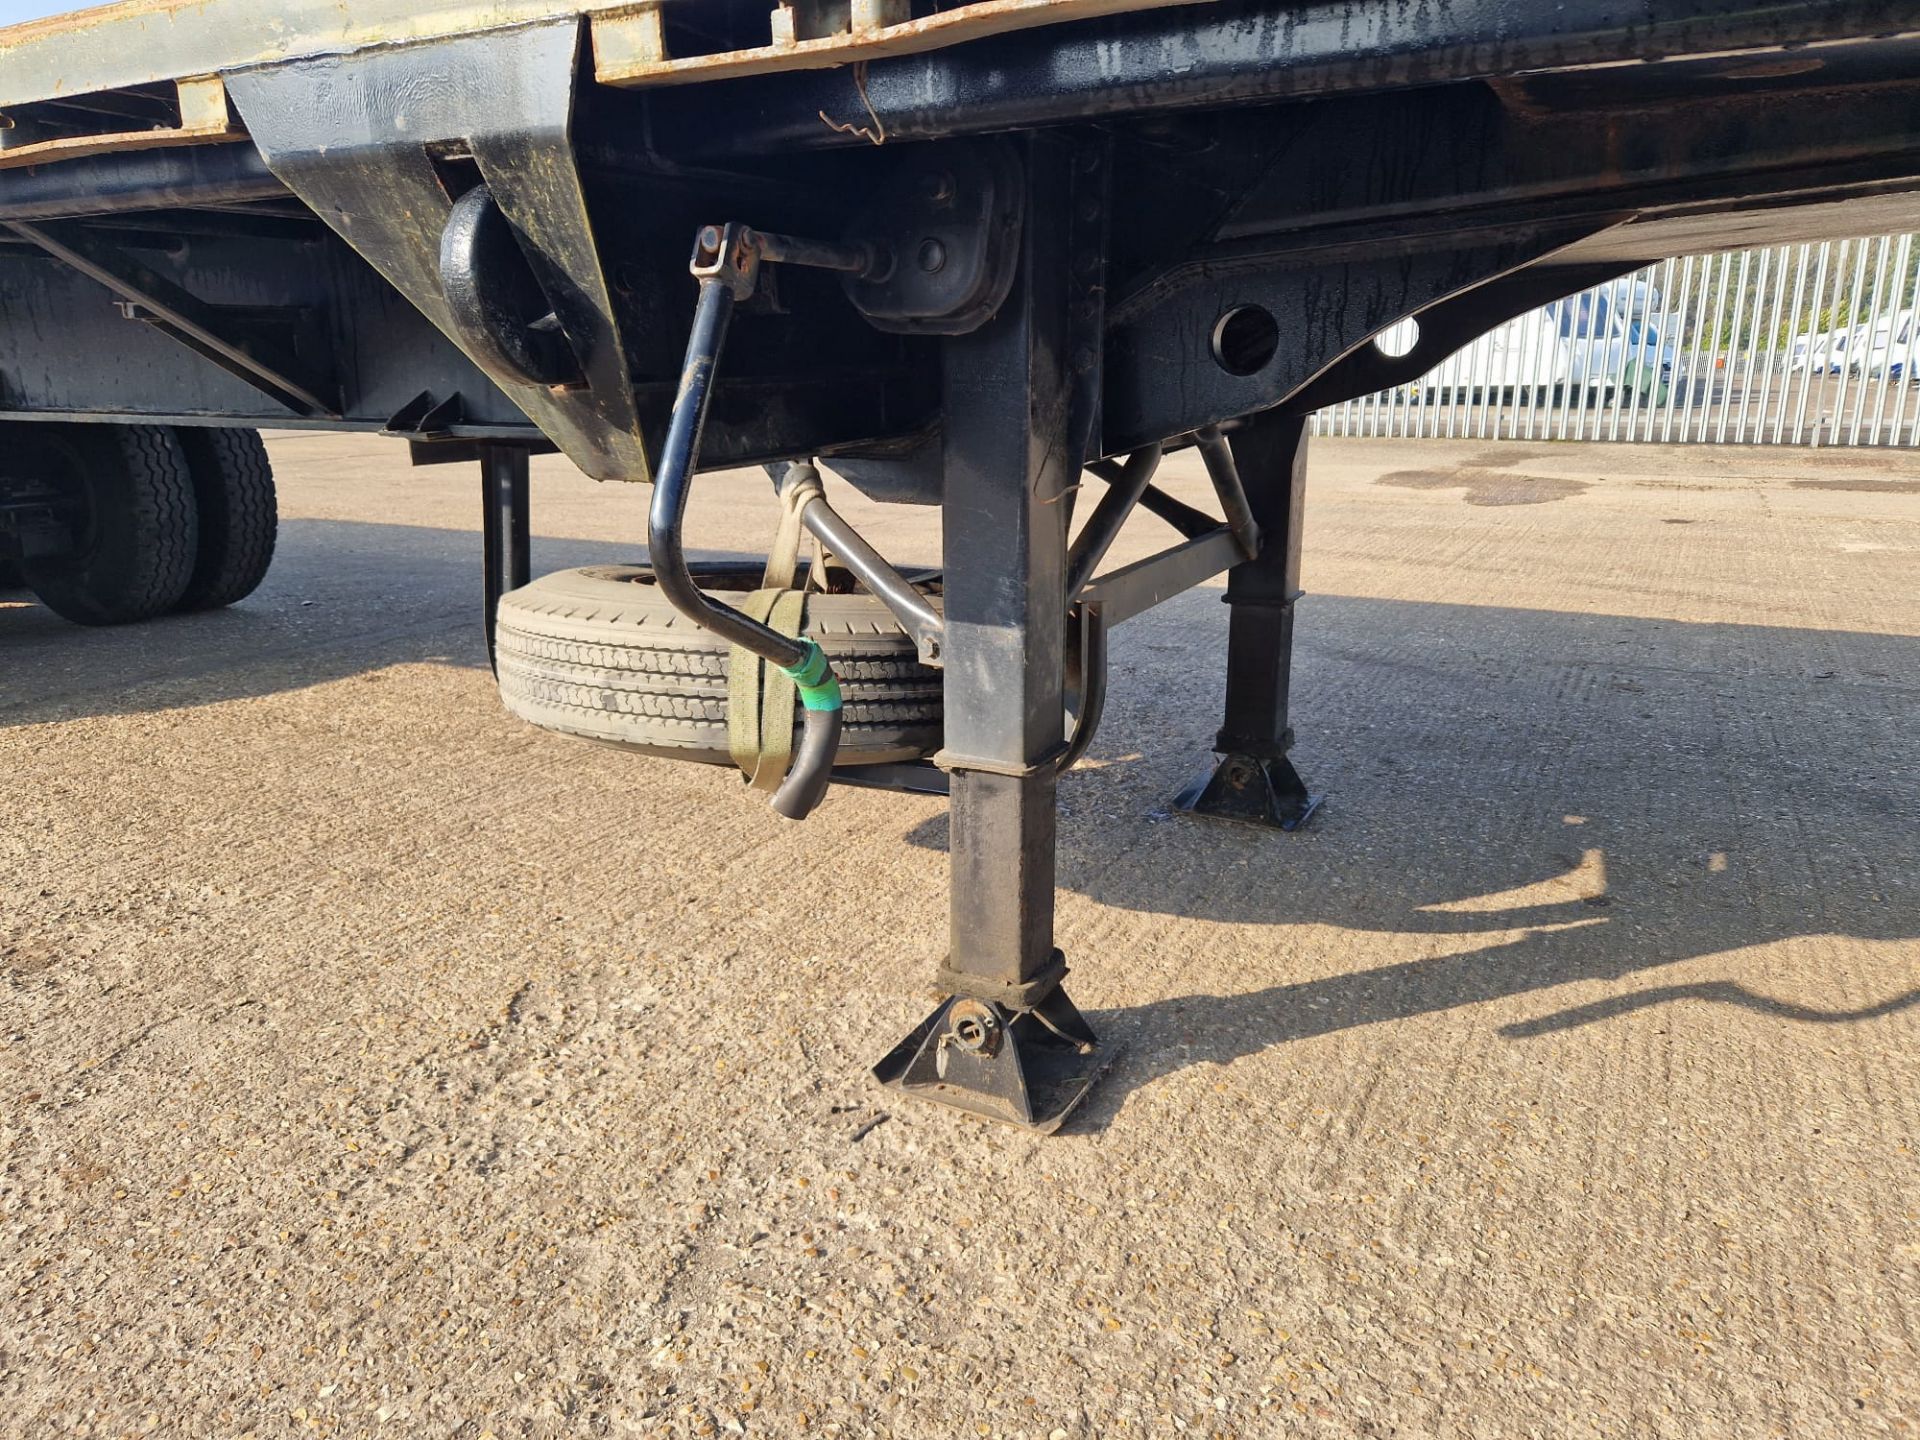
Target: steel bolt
x,y
933,255
974,1027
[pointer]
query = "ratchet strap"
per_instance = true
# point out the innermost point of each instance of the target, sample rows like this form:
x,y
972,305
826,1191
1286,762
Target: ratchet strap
x,y
760,697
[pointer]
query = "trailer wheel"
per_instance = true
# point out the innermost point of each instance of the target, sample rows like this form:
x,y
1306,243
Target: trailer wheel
x,y
129,502
599,652
238,512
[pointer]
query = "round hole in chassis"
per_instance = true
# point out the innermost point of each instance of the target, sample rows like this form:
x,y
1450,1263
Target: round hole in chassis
x,y
1245,339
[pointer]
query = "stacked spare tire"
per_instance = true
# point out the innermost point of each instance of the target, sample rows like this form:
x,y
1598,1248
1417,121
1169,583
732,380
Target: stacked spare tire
x,y
109,524
600,652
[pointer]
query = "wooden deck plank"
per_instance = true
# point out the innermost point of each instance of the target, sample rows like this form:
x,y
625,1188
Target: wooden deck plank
x,y
625,45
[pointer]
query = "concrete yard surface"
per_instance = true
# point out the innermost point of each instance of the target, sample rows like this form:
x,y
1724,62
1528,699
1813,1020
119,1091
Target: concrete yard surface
x,y
374,1064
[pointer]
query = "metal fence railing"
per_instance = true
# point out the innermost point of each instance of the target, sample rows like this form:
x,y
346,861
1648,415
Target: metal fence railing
x,y
1792,345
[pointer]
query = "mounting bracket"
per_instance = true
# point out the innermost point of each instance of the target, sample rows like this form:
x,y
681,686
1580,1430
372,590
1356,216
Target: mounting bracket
x,y
377,142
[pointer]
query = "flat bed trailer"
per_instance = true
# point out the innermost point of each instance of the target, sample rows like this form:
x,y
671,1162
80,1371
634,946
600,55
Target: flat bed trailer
x,y
963,254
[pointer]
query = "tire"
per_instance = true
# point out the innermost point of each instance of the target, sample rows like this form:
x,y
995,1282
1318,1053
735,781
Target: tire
x,y
599,652
132,510
239,515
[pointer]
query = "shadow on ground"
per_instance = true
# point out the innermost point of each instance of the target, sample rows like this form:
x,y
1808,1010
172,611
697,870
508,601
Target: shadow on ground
x,y
343,598
1539,798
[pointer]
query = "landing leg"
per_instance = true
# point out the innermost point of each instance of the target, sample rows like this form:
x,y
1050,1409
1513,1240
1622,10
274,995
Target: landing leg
x,y
1008,1044
506,564
1255,781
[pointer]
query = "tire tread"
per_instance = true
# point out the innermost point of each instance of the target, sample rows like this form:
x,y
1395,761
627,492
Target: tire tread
x,y
239,515
142,503
591,652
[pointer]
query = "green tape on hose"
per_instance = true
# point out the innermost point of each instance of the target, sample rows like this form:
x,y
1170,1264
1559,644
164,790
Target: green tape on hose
x,y
818,688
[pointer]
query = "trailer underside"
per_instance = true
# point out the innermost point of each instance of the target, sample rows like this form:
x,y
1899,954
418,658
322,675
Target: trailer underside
x,y
959,263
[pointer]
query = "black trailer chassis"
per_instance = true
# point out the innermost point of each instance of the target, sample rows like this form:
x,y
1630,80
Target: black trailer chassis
x,y
967,277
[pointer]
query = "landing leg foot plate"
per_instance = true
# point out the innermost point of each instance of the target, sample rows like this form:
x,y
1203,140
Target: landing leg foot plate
x,y
1027,1068
1252,791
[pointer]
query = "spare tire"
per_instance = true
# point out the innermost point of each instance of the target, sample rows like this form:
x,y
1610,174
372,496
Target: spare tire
x,y
599,652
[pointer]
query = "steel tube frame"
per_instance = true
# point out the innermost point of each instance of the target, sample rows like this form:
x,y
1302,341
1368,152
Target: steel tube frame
x,y
1225,475
506,549
147,180
1135,589
679,456
907,605
1096,537
1178,514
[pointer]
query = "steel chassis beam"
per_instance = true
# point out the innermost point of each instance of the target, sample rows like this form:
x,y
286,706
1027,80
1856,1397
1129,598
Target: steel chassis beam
x,y
1233,52
262,359
146,180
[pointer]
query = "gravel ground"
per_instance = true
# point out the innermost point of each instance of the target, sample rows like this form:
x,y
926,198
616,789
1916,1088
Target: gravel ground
x,y
373,1064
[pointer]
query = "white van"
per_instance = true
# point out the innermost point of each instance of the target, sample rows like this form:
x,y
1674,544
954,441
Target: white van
x,y
1613,339
1890,350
